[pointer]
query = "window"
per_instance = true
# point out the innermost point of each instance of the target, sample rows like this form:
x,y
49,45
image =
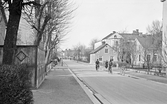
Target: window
x,y
100,58
139,57
115,36
116,42
155,58
106,50
148,58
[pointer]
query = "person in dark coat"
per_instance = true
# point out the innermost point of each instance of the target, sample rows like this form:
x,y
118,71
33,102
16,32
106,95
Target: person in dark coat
x,y
106,64
110,65
97,64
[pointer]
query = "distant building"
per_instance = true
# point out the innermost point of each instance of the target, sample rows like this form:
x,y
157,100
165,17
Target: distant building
x,y
113,41
148,50
104,53
145,48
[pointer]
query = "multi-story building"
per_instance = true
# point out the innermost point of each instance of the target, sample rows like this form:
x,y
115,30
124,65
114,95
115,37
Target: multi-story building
x,y
135,48
113,41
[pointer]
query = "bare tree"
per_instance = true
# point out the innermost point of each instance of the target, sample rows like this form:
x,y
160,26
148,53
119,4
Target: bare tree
x,y
38,18
53,21
81,52
15,8
155,28
123,30
127,51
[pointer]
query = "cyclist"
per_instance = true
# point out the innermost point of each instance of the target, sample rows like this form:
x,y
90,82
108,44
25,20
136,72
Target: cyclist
x,y
97,64
110,66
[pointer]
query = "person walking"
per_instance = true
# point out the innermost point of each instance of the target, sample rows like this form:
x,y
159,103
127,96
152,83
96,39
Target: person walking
x,y
97,64
110,66
106,64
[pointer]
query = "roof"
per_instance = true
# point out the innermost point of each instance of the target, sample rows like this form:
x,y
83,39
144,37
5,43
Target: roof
x,y
129,36
98,48
108,35
163,0
148,42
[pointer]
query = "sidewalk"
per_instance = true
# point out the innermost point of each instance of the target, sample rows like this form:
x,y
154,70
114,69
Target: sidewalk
x,y
144,75
60,87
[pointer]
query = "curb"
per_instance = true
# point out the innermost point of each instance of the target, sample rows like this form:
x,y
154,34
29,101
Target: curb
x,y
92,94
86,89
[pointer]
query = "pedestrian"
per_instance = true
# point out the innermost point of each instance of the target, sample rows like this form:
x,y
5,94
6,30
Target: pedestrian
x,y
97,64
106,64
110,66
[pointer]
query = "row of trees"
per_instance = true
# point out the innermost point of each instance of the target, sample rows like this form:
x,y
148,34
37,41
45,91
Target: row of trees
x,y
49,18
81,52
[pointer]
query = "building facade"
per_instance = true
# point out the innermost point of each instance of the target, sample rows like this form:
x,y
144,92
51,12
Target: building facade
x,y
147,52
103,53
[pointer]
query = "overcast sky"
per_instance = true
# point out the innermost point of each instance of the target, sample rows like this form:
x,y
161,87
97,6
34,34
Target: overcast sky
x,y
98,18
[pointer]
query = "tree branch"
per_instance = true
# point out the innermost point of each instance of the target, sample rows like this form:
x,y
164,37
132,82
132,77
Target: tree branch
x,y
30,3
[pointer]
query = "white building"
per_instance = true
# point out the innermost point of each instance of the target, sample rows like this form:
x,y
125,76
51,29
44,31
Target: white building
x,y
164,37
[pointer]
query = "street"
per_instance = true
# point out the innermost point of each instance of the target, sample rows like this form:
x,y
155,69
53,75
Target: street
x,y
118,89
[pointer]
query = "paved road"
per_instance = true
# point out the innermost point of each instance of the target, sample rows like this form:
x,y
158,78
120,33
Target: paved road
x,y
118,89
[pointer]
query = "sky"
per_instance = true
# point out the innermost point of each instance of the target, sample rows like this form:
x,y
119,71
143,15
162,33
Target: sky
x,y
98,18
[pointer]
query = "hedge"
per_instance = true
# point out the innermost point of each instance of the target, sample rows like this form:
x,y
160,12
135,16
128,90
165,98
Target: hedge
x,y
15,84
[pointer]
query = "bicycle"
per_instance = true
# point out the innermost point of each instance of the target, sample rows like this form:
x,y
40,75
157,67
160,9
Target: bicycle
x,y
97,67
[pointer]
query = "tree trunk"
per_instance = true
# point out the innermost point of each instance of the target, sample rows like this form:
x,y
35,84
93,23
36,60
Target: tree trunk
x,y
48,50
11,33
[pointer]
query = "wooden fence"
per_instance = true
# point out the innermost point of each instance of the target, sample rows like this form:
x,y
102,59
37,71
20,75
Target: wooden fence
x,y
34,57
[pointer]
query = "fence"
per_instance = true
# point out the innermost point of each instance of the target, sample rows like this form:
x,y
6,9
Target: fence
x,y
34,57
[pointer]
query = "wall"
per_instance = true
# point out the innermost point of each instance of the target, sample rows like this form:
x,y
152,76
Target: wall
x,y
106,56
111,40
25,54
143,54
92,58
164,36
34,57
2,29
97,44
139,51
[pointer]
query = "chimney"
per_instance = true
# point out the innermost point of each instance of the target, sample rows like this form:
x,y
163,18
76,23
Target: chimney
x,y
136,32
114,32
103,42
